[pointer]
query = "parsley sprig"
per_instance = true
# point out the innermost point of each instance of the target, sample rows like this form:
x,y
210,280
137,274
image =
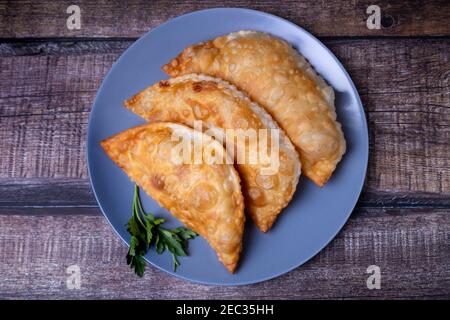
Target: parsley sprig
x,y
146,231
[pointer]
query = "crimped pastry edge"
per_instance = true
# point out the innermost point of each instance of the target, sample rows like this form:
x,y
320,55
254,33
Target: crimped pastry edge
x,y
265,117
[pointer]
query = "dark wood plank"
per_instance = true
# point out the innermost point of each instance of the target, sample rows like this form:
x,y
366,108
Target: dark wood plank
x,y
133,18
412,251
47,89
59,192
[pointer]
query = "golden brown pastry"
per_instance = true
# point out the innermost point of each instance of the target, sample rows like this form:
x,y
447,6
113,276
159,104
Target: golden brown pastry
x,y
220,106
280,79
206,197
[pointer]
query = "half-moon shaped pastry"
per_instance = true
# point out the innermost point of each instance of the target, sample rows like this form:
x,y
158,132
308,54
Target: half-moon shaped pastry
x,y
206,197
281,80
223,109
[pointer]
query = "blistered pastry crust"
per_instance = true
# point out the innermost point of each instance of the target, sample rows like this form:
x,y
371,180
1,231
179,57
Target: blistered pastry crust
x,y
206,198
278,78
221,106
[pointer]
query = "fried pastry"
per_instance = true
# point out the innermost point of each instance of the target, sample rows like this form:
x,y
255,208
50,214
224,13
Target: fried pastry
x,y
277,77
206,197
221,107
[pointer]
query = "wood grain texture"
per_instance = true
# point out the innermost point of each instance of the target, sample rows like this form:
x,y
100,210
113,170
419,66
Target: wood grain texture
x,y
411,248
46,93
19,19
49,219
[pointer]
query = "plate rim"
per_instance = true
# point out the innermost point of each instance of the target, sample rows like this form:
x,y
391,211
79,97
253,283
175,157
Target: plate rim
x,y
265,15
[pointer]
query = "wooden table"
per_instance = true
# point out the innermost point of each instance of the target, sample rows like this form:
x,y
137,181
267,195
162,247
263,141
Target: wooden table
x,y
50,220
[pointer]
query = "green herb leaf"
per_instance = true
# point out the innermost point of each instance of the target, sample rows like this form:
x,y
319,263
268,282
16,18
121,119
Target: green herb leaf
x,y
138,263
172,241
134,242
158,221
184,233
175,262
149,230
145,231
133,226
149,217
160,246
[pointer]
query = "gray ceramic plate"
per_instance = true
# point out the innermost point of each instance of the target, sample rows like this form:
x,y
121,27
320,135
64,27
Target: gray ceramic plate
x,y
313,217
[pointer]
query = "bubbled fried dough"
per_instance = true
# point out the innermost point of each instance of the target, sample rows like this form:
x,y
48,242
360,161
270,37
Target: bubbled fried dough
x,y
221,106
276,76
206,197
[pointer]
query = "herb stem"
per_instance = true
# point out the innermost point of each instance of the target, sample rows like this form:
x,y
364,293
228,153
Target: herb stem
x,y
146,231
136,205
